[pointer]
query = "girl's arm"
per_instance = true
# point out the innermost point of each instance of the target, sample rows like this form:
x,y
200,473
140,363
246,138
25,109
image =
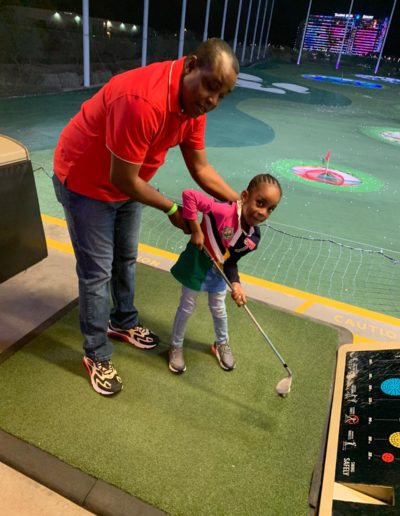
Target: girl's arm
x,y
232,273
194,202
196,234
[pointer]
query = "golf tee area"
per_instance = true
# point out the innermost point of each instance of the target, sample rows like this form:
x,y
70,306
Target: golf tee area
x,y
325,277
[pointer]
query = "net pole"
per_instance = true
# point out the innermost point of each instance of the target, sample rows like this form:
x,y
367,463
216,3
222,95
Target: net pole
x,y
145,31
344,35
255,31
86,44
304,33
182,30
269,26
262,29
237,26
224,19
207,17
384,39
246,32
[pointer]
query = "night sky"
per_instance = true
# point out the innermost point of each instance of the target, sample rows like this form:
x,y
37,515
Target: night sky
x,y
165,15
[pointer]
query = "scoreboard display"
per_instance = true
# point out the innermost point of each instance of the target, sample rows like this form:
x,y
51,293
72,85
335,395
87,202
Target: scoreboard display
x,y
364,34
362,464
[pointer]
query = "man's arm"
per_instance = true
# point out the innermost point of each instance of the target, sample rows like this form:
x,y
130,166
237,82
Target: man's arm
x,y
206,176
125,177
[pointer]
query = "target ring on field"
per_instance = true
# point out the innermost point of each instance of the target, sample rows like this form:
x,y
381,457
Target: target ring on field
x,y
323,175
390,135
333,178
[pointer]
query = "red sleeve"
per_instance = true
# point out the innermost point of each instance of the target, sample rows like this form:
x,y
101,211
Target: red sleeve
x,y
131,125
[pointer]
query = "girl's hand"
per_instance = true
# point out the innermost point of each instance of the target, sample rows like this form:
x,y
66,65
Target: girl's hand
x,y
197,238
238,294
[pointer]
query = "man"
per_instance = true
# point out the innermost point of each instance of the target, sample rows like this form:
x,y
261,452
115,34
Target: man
x,y
102,164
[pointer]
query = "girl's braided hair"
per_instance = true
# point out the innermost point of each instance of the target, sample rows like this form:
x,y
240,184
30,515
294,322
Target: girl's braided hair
x,y
263,178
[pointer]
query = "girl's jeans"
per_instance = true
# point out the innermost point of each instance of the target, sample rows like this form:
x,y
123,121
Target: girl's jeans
x,y
187,304
105,238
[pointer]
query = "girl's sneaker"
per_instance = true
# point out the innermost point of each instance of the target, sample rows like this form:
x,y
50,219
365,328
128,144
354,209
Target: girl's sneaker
x,y
224,356
176,362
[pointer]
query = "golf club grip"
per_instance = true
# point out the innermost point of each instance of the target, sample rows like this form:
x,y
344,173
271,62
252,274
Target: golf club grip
x,y
207,252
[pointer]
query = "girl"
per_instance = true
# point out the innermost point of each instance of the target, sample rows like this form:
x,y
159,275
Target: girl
x,y
229,231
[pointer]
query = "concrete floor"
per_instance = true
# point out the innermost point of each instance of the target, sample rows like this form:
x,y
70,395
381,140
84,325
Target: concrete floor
x,y
28,302
32,300
22,496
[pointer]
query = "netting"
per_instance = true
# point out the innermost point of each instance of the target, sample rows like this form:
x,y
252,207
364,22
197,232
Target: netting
x,y
342,270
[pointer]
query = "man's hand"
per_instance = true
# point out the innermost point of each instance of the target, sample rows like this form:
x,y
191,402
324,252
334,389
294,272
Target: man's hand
x,y
179,222
238,294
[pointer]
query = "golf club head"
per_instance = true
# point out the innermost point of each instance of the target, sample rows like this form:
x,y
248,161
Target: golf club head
x,y
283,386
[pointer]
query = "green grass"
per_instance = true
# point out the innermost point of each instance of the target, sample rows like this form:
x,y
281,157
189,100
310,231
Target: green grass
x,y
206,442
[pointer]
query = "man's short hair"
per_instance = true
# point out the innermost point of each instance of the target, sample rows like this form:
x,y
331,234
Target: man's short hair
x,y
209,51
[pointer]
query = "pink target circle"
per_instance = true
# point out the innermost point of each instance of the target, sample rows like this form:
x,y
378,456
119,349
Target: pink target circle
x,y
325,175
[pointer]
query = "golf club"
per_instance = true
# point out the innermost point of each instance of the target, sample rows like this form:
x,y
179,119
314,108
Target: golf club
x,y
284,385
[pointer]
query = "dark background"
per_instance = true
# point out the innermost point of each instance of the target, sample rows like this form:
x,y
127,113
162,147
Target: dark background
x,y
164,15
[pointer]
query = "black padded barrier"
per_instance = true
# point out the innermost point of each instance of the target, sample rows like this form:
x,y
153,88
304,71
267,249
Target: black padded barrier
x,y
22,239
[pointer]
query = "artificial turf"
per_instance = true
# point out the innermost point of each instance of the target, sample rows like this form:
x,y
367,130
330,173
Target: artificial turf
x,y
207,442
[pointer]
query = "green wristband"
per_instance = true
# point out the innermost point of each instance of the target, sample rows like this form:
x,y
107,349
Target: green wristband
x,y
172,210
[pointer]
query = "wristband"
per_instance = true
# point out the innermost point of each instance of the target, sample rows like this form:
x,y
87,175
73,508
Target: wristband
x,y
172,210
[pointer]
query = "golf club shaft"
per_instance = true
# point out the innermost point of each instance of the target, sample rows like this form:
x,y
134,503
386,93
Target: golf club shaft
x,y
250,314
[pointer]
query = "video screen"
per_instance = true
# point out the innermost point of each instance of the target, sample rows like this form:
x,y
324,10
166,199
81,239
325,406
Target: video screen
x,y
364,34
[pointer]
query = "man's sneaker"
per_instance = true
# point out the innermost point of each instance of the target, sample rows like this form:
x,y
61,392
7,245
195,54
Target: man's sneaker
x,y
139,336
224,356
103,376
176,359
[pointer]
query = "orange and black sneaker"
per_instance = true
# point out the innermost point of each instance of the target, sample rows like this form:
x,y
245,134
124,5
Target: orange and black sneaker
x,y
138,336
103,376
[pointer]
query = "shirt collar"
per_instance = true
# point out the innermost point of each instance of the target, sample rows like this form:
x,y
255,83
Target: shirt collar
x,y
174,79
239,214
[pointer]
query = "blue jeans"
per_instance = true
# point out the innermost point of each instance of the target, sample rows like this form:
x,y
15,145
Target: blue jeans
x,y
105,238
187,304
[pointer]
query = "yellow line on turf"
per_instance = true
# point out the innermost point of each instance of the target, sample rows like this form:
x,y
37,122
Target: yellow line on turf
x,y
54,220
360,339
309,299
65,248
304,306
159,252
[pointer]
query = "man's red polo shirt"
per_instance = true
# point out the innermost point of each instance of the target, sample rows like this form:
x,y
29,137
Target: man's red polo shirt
x,y
137,117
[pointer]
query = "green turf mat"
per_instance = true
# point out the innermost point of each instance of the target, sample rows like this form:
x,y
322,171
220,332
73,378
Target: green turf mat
x,y
207,442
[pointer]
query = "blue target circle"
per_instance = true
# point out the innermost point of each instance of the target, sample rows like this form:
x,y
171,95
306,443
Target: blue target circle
x,y
391,386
